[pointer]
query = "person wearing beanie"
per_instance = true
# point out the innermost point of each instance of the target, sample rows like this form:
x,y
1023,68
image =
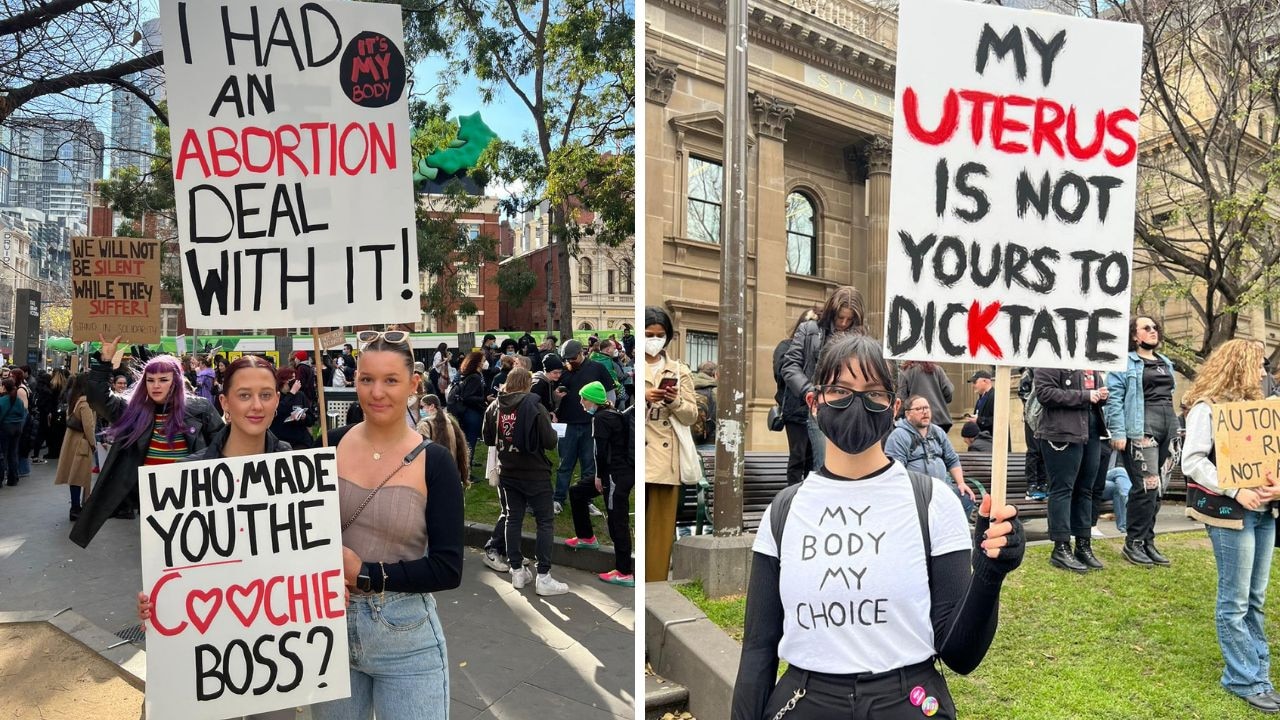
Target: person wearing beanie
x,y
577,447
977,440
545,380
612,435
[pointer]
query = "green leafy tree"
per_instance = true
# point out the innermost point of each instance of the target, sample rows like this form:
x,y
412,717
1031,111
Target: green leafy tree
x,y
515,281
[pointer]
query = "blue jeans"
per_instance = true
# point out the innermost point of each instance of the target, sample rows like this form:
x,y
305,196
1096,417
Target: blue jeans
x,y
1244,562
399,667
1117,489
817,443
577,446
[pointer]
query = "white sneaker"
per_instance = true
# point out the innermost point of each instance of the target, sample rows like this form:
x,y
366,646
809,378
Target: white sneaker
x,y
520,578
556,507
593,510
547,585
494,561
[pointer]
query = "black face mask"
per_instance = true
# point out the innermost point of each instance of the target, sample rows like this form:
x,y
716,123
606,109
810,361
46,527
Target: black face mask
x,y
853,429
1148,346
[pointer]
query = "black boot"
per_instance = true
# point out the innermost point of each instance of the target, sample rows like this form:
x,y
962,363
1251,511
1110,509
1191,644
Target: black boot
x,y
1153,554
1063,558
1084,553
1134,552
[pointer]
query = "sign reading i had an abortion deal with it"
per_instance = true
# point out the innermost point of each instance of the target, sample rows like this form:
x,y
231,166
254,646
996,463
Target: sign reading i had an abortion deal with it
x,y
293,181
242,561
1012,198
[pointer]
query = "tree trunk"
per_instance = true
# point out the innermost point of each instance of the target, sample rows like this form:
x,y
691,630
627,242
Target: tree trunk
x,y
564,271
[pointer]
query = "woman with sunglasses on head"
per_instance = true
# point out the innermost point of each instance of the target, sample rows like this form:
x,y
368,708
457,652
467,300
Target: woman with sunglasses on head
x,y
158,424
401,503
1141,421
862,642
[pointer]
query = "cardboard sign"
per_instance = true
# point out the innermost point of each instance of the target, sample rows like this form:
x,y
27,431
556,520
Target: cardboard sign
x,y
333,339
242,559
291,162
115,289
1246,441
1015,141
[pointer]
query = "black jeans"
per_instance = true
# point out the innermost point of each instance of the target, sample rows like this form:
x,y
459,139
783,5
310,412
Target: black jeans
x,y
882,696
497,541
534,496
1144,457
1100,479
9,438
617,511
1033,464
1072,470
800,457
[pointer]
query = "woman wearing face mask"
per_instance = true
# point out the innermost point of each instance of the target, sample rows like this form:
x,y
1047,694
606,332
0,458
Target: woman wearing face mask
x,y
290,421
842,313
614,479
467,398
1141,421
669,398
866,648
442,428
249,399
159,424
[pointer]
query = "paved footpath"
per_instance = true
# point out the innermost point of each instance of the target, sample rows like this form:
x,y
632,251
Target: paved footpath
x,y
512,654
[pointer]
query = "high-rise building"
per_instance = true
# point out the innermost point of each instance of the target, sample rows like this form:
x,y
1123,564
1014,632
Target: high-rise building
x,y
132,135
53,165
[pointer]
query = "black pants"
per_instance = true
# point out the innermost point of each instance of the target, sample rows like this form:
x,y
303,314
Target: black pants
x,y
1143,458
497,541
1033,464
10,436
882,696
800,457
1072,470
617,511
1100,479
534,496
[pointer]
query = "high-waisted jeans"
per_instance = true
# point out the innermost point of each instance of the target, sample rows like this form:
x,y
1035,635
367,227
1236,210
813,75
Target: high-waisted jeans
x,y
1244,566
1144,457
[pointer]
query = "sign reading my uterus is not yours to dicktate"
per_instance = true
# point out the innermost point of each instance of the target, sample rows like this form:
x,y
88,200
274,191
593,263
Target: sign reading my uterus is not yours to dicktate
x,y
290,134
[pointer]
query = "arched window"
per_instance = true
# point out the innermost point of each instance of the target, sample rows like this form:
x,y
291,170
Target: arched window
x,y
802,235
624,277
584,276
585,326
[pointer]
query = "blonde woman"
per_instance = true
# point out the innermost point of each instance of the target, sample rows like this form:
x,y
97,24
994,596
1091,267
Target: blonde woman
x,y
669,398
1240,523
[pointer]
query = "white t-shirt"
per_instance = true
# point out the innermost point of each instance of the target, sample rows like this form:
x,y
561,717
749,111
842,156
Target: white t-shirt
x,y
853,582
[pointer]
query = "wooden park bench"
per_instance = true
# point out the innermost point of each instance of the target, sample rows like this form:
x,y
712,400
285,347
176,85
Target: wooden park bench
x,y
764,474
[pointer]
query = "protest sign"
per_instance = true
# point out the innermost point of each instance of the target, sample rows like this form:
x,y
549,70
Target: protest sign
x,y
1246,441
242,560
291,165
333,339
1013,187
115,289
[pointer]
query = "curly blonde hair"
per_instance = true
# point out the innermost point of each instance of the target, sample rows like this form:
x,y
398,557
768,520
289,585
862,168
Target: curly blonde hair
x,y
1231,373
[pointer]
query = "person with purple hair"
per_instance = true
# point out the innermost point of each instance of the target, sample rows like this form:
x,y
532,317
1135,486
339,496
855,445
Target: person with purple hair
x,y
142,433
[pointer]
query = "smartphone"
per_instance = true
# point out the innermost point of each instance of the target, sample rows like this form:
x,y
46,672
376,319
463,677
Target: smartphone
x,y
666,383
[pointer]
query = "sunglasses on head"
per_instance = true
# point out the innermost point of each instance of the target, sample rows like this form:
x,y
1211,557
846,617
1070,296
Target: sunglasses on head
x,y
395,337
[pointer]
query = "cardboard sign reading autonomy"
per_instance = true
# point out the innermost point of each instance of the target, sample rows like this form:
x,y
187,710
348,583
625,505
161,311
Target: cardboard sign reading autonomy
x,y
115,289
1246,440
291,163
242,559
1015,141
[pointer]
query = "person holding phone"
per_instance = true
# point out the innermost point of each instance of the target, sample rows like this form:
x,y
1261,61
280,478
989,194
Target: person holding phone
x,y
290,423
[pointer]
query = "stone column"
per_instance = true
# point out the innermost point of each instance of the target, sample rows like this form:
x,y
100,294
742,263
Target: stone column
x,y
661,164
878,153
770,117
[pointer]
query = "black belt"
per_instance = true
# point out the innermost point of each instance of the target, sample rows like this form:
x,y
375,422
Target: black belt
x,y
900,679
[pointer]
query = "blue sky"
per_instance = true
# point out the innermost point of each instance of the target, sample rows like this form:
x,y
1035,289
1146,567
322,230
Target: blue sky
x,y
506,115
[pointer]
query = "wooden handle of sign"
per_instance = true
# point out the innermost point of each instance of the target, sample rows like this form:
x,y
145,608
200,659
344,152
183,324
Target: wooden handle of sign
x,y
319,362
1000,441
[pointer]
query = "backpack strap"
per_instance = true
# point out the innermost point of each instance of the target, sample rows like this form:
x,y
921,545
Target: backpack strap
x,y
922,489
778,510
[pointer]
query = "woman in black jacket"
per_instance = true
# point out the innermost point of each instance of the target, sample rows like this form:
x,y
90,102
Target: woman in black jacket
x,y
291,416
843,312
795,416
1070,439
467,398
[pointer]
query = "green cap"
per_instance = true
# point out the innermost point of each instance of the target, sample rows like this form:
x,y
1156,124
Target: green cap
x,y
594,392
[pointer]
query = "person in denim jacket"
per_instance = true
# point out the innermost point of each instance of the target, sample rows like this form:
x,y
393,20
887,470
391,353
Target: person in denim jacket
x,y
1141,421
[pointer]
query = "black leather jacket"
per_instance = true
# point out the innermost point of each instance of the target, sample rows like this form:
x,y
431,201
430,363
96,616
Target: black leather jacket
x,y
801,359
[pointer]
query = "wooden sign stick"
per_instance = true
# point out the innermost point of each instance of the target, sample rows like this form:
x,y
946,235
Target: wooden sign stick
x,y
1000,439
319,370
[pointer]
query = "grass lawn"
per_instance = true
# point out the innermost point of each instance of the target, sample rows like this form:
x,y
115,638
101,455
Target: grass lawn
x,y
482,502
1119,644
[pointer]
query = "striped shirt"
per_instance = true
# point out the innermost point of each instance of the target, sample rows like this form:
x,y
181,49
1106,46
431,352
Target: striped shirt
x,y
161,451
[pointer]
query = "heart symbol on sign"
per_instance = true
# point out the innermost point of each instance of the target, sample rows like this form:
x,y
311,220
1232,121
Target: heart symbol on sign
x,y
255,589
212,597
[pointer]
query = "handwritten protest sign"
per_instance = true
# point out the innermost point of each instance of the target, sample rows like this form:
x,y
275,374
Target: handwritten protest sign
x,y
291,162
115,289
1246,441
242,560
1013,187
333,339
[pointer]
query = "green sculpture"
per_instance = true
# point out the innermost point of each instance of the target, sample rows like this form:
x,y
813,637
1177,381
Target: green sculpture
x,y
463,152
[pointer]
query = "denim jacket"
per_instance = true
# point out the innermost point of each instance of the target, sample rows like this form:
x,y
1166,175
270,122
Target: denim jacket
x,y
1125,412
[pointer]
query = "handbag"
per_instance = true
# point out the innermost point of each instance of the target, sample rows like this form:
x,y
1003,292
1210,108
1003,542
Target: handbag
x,y
491,466
689,459
775,420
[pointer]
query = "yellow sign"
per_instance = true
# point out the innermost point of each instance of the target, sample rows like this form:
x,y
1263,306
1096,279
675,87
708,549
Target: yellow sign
x,y
1246,440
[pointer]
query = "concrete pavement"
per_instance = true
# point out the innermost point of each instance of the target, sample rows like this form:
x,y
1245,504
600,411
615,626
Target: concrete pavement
x,y
512,653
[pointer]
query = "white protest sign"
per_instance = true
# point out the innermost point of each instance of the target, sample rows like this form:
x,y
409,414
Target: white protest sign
x,y
290,131
1015,139
242,560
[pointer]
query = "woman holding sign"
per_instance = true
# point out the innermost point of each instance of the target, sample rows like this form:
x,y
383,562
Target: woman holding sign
x,y
1239,521
143,432
874,577
401,496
